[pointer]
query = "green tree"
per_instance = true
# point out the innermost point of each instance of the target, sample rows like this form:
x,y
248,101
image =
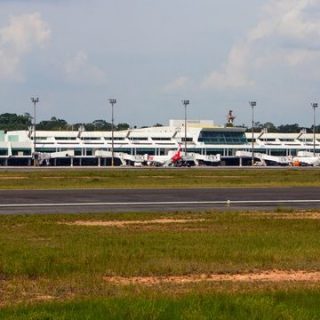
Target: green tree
x,y
101,125
12,121
122,126
289,128
53,124
270,127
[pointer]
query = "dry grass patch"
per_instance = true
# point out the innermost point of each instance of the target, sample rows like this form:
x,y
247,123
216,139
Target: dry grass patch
x,y
77,178
161,177
305,215
285,215
12,177
43,298
265,276
124,223
222,176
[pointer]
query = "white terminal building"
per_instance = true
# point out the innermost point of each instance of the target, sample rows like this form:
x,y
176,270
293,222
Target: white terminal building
x,y
207,144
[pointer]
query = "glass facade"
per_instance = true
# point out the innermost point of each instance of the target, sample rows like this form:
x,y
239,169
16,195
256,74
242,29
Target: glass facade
x,y
161,139
221,137
47,150
3,152
21,152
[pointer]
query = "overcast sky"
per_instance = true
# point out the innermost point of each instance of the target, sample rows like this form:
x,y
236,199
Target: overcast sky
x,y
149,54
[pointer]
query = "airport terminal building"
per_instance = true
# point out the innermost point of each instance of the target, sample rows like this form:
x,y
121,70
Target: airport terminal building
x,y
204,140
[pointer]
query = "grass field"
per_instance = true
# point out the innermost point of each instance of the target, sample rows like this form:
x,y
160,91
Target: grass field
x,y
155,178
58,267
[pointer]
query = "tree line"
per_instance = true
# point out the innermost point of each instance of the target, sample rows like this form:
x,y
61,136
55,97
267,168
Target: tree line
x,y
283,128
12,121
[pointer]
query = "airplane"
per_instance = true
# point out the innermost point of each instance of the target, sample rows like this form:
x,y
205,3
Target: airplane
x,y
305,161
305,158
173,158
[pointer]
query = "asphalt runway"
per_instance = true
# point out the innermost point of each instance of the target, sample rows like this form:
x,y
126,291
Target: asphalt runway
x,y
123,200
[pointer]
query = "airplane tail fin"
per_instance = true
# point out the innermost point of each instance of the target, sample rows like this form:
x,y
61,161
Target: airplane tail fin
x,y
177,156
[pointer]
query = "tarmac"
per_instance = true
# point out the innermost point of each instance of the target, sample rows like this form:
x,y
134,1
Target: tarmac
x,y
134,200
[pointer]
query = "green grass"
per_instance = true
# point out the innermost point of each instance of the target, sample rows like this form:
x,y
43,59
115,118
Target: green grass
x,y
36,246
262,306
43,258
157,178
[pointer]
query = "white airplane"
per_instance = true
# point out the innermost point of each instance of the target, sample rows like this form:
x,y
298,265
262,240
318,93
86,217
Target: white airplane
x,y
306,158
171,159
306,161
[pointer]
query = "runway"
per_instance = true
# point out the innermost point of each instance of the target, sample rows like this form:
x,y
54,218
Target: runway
x,y
124,200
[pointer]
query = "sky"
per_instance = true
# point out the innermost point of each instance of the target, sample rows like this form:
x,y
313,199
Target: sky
x,y
149,55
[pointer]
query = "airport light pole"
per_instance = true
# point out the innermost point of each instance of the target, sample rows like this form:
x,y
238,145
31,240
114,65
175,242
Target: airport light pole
x,y
34,101
314,105
185,103
112,102
252,104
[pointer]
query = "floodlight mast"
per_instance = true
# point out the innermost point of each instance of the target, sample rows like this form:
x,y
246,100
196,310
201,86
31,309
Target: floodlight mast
x,y
314,105
34,101
112,102
252,104
185,103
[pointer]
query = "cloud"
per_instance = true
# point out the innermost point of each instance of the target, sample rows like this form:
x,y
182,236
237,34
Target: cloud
x,y
177,84
79,70
23,34
287,34
234,73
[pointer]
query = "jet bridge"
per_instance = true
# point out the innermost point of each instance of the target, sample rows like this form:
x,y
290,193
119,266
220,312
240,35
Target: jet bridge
x,y
265,158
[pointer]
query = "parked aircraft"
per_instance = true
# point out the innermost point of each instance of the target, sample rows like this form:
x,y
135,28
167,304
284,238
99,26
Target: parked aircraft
x,y
173,158
305,158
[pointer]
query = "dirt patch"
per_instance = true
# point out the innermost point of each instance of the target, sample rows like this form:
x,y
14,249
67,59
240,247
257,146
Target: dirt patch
x,y
310,215
160,177
125,223
266,276
287,216
217,177
43,298
13,178
77,178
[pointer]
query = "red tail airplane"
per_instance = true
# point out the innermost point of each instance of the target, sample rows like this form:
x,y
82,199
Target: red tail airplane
x,y
165,160
177,156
